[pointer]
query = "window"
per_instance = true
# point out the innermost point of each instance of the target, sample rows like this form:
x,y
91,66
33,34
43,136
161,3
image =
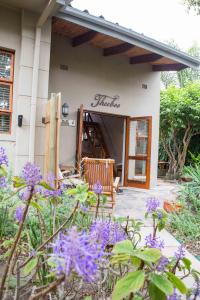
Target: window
x,y
6,90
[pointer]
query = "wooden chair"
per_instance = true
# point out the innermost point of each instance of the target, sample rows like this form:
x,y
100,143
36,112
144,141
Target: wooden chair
x,y
101,170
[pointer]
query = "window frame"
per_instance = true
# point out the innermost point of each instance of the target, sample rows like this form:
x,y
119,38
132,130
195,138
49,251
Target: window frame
x,y
8,81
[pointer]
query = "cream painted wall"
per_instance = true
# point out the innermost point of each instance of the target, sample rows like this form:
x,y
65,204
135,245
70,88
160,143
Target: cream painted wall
x,y
90,73
17,32
10,23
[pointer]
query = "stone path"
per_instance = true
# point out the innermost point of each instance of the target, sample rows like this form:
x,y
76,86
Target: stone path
x,y
132,202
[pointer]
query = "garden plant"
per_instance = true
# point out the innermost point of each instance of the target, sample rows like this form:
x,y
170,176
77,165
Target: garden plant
x,y
57,243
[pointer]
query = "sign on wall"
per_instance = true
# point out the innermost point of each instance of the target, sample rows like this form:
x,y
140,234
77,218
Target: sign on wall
x,y
104,100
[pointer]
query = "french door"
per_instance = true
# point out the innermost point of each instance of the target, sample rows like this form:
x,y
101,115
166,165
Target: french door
x,y
79,137
138,152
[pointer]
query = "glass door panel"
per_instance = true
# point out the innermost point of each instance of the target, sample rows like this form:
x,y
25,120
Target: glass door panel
x,y
138,146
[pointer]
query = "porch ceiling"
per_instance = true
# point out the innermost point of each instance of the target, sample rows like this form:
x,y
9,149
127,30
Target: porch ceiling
x,y
113,46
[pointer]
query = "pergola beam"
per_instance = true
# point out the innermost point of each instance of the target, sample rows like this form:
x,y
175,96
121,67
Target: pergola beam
x,y
168,67
118,49
145,58
83,38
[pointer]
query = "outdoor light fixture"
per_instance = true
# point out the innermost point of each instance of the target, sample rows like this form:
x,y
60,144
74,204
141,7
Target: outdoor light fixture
x,y
20,118
65,110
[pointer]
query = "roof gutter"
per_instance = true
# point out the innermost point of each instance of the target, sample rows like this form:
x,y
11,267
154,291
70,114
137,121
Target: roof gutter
x,y
100,25
50,9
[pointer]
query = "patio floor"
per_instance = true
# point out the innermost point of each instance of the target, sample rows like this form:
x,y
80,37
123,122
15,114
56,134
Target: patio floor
x,y
132,203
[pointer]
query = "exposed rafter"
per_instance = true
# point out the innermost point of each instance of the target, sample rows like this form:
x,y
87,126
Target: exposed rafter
x,y
145,58
117,49
168,67
83,38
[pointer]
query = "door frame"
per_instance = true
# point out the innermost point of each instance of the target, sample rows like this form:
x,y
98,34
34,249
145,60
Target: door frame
x,y
132,183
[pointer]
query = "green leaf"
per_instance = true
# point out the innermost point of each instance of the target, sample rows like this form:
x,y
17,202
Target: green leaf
x,y
46,186
162,284
18,182
30,266
130,283
187,263
178,283
150,255
125,247
88,298
155,293
36,205
3,171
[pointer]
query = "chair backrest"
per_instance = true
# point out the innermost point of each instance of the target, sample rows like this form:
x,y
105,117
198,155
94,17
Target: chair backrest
x,y
101,170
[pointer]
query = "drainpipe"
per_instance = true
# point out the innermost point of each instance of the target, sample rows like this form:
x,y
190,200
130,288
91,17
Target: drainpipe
x,y
50,9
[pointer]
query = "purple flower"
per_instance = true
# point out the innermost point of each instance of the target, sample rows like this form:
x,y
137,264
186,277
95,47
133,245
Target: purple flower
x,y
31,174
106,233
3,157
3,183
84,208
174,296
152,204
19,213
25,194
75,251
98,189
180,253
162,263
159,215
154,242
51,182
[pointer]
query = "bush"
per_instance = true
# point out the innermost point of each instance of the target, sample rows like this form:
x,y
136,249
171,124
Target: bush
x,y
187,222
58,247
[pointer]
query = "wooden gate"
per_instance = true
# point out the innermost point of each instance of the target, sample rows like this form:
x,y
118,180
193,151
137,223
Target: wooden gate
x,y
52,123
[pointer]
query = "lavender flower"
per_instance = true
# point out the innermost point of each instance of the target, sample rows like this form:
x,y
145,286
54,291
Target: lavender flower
x,y
76,252
154,242
162,263
84,208
3,157
180,253
106,233
98,189
3,183
31,174
174,296
152,204
19,213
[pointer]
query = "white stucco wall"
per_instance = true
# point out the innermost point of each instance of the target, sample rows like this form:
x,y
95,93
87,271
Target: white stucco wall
x,y
10,28
90,73
17,32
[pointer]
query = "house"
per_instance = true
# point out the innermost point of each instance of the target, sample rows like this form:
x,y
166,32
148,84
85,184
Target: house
x,y
109,74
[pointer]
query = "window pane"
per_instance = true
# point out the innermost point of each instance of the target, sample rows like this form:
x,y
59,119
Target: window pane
x,y
4,96
5,65
138,137
137,170
4,123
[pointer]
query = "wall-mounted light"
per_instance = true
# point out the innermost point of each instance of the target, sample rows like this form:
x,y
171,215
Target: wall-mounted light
x,y
20,118
65,110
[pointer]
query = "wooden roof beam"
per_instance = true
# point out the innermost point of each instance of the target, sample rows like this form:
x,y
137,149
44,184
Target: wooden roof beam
x,y
121,48
145,58
168,67
83,38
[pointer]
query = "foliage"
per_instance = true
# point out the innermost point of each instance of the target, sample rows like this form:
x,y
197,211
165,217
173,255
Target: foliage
x,y
193,4
179,122
58,247
183,77
187,222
